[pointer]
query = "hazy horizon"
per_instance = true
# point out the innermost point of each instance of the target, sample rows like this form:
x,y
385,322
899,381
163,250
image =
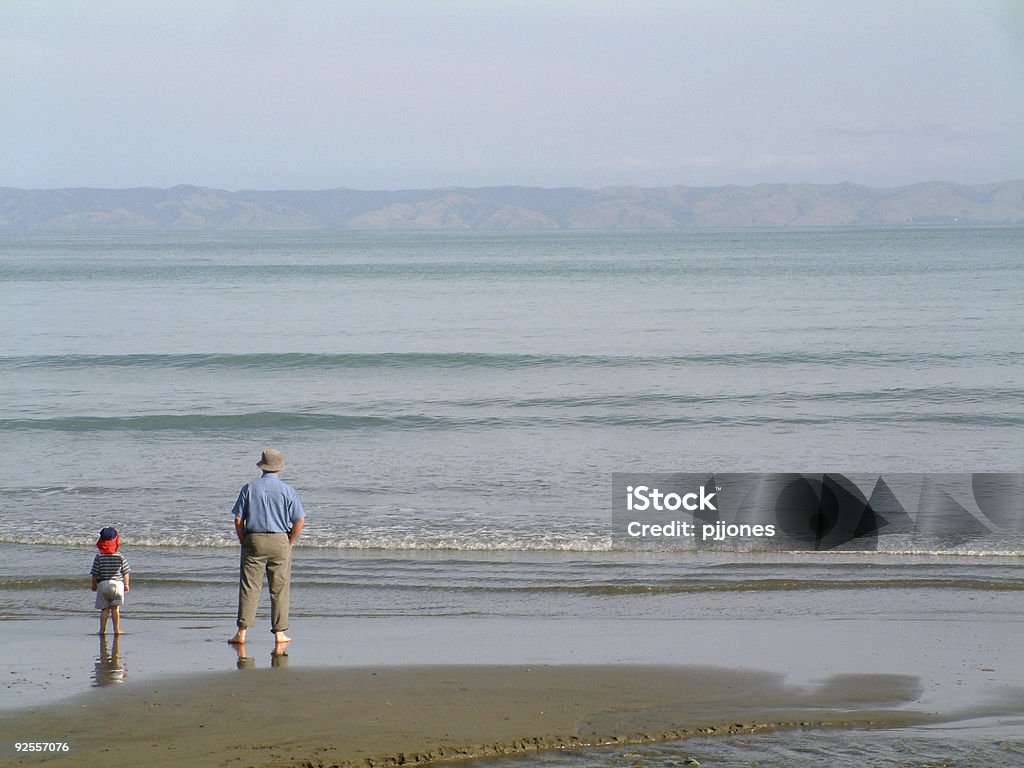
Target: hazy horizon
x,y
400,95
398,190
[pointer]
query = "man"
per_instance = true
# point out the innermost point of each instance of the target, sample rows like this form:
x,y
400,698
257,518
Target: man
x,y
268,519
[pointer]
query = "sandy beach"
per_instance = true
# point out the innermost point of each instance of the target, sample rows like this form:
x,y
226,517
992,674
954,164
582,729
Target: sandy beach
x,y
475,688
408,715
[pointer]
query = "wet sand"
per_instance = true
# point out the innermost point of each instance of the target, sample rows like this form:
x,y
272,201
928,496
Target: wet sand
x,y
384,716
174,693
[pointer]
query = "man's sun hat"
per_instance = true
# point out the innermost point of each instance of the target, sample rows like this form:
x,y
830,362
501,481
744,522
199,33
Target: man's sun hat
x,y
271,460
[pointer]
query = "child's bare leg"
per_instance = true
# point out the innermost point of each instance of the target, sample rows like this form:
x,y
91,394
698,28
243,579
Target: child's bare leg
x,y
115,612
104,612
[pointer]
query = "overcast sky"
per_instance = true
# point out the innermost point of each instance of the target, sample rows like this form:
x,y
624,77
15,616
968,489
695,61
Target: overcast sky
x,y
386,94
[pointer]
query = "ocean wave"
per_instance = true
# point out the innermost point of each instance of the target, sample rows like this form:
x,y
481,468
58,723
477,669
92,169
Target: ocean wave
x,y
80,584
427,360
583,544
780,585
383,543
199,422
514,585
299,421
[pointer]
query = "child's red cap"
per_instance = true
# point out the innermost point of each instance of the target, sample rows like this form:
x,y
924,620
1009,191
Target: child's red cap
x,y
109,541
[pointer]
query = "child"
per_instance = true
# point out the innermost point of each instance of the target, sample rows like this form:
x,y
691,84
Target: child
x,y
109,579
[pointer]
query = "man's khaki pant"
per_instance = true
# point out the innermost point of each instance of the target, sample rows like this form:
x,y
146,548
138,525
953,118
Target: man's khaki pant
x,y
272,553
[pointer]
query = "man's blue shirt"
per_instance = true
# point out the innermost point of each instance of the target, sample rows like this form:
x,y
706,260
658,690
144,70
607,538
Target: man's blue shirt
x,y
268,505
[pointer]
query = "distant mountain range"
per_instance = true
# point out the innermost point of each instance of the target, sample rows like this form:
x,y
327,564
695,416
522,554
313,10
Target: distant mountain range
x,y
513,208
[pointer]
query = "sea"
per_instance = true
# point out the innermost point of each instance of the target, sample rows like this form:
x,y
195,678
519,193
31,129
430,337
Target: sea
x,y
452,406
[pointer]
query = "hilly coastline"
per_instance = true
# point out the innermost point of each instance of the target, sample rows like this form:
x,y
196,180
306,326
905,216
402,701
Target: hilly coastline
x,y
513,208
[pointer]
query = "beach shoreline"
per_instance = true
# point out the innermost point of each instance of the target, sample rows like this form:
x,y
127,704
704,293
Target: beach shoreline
x,y
403,691
387,716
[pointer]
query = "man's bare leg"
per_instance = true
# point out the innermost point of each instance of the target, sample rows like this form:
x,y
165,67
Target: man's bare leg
x,y
239,638
280,638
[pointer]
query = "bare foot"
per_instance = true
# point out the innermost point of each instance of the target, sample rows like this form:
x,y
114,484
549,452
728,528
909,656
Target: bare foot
x,y
119,632
239,638
280,638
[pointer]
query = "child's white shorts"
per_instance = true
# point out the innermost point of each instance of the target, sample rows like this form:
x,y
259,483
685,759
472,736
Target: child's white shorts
x,y
109,592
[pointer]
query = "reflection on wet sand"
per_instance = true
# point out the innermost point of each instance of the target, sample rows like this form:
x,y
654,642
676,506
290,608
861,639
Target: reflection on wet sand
x,y
109,670
243,661
278,656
